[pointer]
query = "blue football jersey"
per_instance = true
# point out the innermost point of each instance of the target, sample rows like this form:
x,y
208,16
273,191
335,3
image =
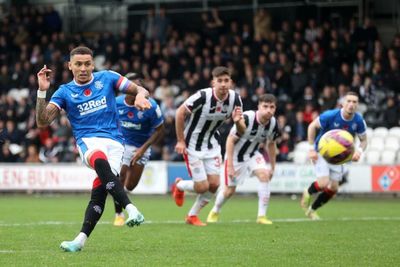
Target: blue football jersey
x,y
91,107
137,126
332,119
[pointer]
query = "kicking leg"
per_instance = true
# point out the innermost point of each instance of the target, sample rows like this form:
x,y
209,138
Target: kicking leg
x,y
93,213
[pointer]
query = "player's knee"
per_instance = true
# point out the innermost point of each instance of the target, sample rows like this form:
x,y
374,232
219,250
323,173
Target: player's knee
x,y
201,188
323,182
263,178
98,154
213,187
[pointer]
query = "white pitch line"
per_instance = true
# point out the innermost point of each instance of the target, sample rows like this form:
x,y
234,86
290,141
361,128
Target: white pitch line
x,y
7,251
281,220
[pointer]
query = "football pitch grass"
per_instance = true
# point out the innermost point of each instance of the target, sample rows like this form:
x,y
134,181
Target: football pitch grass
x,y
352,232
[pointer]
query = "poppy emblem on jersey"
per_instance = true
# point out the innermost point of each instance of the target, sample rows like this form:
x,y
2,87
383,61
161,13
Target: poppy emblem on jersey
x,y
130,115
87,92
218,109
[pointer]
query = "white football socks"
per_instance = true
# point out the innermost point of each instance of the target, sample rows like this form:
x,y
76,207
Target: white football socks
x,y
263,198
201,201
219,201
185,185
81,238
131,210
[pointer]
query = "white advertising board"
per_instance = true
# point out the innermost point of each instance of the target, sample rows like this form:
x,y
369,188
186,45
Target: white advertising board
x,y
65,177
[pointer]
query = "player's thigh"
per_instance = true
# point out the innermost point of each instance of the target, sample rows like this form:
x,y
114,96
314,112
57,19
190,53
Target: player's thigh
x,y
337,172
133,176
212,165
111,148
258,167
195,167
241,172
135,172
115,153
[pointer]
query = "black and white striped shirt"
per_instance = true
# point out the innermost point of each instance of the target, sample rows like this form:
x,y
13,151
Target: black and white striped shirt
x,y
208,114
254,135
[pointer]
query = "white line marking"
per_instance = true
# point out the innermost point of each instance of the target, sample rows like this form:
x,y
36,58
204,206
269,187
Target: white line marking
x,y
281,220
7,251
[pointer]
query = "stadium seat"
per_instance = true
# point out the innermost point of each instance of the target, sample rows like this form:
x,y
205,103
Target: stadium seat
x,y
376,143
372,157
302,146
394,131
388,157
392,143
300,157
380,132
370,132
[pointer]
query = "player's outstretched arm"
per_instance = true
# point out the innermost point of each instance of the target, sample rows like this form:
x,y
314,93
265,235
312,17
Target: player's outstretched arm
x,y
142,95
45,113
311,133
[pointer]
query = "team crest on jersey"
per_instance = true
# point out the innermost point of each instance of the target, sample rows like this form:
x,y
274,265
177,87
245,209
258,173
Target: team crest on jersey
x,y
98,85
354,126
140,115
120,112
87,92
130,115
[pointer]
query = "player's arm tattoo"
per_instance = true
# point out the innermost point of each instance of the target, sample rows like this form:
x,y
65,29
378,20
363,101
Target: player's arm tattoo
x,y
134,89
45,113
363,142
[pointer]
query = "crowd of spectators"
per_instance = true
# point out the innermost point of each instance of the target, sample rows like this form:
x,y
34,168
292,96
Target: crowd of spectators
x,y
307,65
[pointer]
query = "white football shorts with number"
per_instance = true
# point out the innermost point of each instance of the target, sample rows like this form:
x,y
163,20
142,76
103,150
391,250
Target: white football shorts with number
x,y
245,169
200,164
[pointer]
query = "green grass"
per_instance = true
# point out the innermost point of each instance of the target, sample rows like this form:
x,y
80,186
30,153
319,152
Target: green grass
x,y
353,232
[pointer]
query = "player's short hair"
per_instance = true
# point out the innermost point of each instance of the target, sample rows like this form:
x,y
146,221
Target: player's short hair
x,y
267,98
81,50
220,70
352,93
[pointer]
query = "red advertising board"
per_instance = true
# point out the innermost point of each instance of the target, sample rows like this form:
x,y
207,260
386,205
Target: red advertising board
x,y
386,178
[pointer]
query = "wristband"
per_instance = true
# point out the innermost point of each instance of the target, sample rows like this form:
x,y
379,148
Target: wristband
x,y
360,150
41,94
311,147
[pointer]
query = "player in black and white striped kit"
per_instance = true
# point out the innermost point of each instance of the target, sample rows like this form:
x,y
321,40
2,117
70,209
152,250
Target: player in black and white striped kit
x,y
197,141
242,158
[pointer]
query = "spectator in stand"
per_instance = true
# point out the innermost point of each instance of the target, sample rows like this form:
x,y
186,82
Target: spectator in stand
x,y
32,154
391,113
327,99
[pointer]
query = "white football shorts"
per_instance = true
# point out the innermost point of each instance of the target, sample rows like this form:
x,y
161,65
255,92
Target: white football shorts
x,y
130,151
200,164
334,172
113,150
244,169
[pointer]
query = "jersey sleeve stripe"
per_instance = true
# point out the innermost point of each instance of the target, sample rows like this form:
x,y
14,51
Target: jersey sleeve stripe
x,y
123,84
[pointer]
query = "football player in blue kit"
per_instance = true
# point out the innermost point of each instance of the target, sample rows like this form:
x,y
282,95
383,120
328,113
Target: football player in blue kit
x,y
329,175
140,130
89,101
